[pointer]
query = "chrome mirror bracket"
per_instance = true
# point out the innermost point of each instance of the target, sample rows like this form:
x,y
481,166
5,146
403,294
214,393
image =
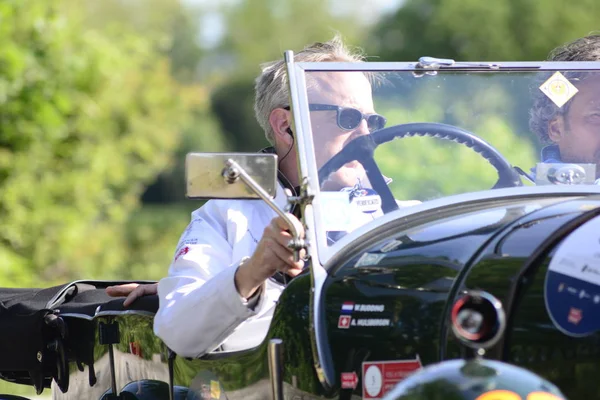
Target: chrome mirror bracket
x,y
233,171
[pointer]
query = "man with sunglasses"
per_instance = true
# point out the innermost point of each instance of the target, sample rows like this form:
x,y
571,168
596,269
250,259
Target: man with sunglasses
x,y
342,109
221,287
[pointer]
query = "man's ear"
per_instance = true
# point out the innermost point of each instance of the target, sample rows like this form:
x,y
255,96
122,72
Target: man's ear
x,y
556,128
280,120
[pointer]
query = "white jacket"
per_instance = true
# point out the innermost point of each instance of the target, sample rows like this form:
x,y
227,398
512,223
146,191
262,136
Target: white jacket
x,y
199,306
200,309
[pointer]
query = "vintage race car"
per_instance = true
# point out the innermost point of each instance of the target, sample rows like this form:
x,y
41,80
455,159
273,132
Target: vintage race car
x,y
458,260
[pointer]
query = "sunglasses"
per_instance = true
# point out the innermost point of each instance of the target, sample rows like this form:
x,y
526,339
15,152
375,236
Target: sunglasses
x,y
349,118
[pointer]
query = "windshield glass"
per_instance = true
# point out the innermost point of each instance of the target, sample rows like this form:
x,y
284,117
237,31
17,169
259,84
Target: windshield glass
x,y
387,140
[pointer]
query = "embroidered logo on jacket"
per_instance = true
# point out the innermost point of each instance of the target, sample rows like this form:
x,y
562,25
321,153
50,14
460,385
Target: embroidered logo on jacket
x,y
182,252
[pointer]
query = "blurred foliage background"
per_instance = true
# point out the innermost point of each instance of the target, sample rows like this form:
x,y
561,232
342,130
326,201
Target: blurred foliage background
x,y
101,100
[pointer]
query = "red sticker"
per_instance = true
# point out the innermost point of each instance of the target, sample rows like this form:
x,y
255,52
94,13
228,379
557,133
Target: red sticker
x,y
344,321
380,377
575,315
135,349
349,380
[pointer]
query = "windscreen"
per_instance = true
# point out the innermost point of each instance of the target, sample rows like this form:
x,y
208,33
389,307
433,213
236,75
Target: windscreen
x,y
387,140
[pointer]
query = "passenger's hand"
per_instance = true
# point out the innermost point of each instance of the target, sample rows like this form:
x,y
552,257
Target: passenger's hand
x,y
271,255
132,290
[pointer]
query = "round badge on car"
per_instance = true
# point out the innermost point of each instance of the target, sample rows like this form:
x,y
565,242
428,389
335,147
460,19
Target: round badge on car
x,y
478,319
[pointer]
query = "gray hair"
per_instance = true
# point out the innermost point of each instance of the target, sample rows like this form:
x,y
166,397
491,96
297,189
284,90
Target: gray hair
x,y
544,110
271,88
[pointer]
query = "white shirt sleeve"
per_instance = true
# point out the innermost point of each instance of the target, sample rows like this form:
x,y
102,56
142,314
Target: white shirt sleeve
x,y
199,306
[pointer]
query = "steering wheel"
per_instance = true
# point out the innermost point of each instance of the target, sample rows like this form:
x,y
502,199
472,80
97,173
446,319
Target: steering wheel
x,y
363,148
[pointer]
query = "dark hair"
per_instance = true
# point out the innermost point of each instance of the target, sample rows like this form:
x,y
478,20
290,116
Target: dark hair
x,y
583,49
543,111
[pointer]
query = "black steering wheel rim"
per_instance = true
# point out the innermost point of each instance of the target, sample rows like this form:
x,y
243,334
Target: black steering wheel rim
x,y
362,149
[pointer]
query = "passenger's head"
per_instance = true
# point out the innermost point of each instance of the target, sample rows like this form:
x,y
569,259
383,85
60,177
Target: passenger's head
x,y
332,126
574,127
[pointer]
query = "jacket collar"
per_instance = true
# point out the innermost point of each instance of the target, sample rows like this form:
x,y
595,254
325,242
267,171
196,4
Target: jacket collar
x,y
284,183
551,154
283,180
548,154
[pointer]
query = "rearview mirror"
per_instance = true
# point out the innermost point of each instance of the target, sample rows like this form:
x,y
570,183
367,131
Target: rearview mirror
x,y
205,178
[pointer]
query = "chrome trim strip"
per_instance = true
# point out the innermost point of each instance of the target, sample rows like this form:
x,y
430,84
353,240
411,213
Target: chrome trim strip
x,y
319,275
305,146
71,284
108,313
504,66
113,374
275,356
308,169
126,312
300,117
77,315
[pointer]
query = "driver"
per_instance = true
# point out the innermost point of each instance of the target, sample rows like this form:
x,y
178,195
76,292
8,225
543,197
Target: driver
x,y
220,291
571,132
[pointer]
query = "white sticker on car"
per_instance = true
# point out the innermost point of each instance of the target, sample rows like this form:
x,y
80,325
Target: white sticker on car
x,y
336,211
572,286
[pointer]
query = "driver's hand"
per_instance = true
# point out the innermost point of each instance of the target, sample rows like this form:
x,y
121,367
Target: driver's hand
x,y
271,255
132,290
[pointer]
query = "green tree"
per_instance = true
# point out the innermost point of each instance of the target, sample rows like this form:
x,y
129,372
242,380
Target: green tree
x,y
171,26
260,31
233,104
85,123
489,107
478,30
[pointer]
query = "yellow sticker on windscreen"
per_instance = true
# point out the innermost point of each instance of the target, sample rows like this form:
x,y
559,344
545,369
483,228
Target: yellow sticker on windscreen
x,y
558,89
